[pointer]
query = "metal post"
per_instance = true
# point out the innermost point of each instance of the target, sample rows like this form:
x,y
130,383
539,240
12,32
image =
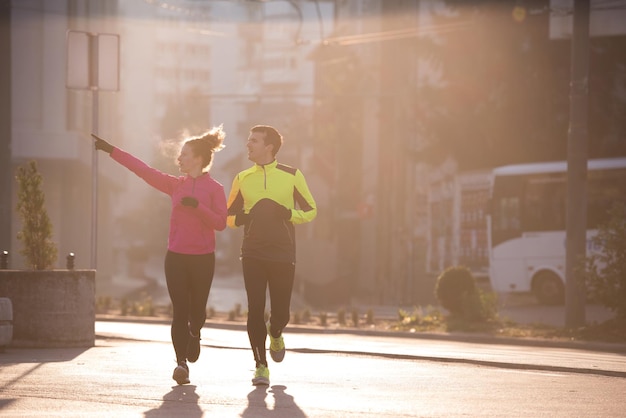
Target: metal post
x,y
4,260
93,82
6,176
69,261
575,293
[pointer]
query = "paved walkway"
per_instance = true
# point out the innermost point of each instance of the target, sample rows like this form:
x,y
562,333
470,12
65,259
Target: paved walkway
x,y
122,375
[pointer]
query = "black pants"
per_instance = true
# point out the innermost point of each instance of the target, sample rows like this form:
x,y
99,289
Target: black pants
x,y
189,279
258,276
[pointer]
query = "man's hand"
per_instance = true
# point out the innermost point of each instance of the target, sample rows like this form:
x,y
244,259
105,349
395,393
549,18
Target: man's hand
x,y
241,218
189,201
101,144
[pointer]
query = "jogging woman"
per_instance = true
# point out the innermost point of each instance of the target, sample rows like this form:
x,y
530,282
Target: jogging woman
x,y
198,210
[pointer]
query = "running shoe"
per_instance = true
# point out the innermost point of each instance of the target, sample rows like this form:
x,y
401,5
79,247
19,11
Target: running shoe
x,y
277,346
193,347
261,375
181,373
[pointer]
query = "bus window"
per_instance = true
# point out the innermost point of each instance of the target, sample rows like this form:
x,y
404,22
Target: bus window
x,y
509,214
544,203
506,210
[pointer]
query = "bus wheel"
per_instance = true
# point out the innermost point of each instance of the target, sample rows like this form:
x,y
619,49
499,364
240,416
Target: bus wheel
x,y
548,288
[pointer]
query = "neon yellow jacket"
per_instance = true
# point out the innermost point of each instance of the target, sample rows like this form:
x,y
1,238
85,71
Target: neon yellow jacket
x,y
263,199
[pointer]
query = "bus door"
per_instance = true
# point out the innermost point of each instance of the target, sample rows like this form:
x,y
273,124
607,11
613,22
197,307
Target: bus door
x,y
543,223
506,261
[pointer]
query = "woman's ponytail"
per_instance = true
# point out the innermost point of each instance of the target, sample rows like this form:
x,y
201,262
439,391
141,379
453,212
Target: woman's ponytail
x,y
208,143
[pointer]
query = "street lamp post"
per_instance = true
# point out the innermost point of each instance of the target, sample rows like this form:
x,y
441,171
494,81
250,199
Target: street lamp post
x,y
577,167
93,64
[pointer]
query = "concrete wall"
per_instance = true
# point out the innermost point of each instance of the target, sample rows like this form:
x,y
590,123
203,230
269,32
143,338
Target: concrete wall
x,y
51,308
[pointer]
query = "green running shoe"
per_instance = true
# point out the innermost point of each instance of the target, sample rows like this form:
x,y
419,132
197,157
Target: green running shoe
x,y
277,346
261,375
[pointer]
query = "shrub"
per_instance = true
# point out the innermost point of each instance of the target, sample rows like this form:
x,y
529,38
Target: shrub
x,y
480,306
605,273
36,234
454,287
341,316
124,307
355,317
306,316
457,292
323,319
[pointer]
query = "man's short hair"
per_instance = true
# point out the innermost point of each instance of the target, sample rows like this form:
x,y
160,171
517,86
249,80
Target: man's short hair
x,y
272,136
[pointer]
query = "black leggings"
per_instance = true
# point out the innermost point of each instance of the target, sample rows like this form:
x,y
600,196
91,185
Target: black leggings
x,y
189,279
258,276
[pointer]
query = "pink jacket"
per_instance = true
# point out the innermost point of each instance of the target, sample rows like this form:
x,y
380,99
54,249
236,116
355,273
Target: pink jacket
x,y
192,230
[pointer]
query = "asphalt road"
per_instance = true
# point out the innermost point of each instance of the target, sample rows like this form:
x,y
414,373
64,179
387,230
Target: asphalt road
x,y
128,373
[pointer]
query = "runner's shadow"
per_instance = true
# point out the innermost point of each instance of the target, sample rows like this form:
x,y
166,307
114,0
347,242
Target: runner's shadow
x,y
256,404
284,404
180,401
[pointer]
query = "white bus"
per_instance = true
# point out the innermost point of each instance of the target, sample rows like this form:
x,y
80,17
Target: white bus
x,y
526,223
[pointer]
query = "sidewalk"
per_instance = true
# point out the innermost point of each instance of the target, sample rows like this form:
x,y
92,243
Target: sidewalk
x,y
127,372
516,353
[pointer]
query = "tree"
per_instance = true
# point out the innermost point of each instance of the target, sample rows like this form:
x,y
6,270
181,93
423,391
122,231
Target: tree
x,y
502,90
606,269
36,233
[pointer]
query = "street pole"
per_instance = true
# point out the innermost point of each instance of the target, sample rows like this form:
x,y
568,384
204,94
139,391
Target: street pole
x,y
94,183
93,64
575,292
93,76
5,127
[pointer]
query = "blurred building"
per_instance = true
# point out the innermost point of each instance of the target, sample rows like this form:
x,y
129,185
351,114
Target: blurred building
x,y
344,81
399,216
50,124
185,66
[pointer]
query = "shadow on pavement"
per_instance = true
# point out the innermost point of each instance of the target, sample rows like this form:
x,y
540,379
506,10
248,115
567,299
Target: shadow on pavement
x,y
284,404
256,404
20,377
40,355
180,401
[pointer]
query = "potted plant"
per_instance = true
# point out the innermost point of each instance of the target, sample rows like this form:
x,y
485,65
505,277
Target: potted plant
x,y
51,307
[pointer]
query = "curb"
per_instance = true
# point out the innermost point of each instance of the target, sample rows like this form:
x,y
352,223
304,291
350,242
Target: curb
x,y
619,348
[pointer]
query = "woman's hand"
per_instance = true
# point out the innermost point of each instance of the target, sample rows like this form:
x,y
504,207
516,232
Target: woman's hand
x,y
101,144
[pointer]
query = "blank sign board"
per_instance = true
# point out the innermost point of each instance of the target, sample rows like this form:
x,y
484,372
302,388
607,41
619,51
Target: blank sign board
x,y
92,61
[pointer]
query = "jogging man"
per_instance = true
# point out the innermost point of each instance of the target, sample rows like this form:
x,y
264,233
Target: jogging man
x,y
263,200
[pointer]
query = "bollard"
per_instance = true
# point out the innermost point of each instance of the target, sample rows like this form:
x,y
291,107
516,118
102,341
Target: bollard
x,y
6,322
4,260
70,261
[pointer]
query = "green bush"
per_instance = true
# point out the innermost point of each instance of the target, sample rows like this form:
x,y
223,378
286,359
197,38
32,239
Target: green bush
x,y
341,316
605,273
306,316
480,306
455,288
355,317
457,292
323,319
36,234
